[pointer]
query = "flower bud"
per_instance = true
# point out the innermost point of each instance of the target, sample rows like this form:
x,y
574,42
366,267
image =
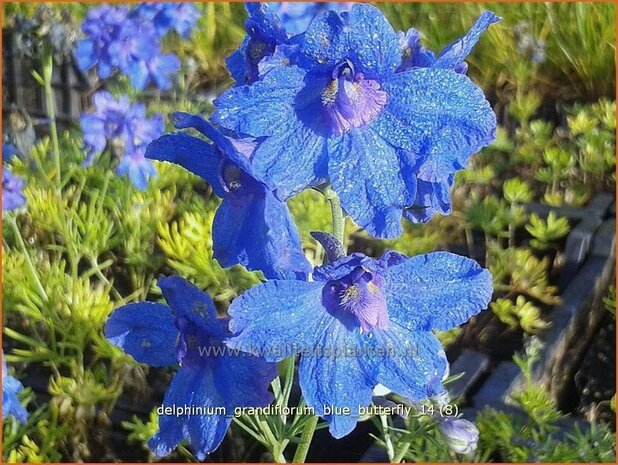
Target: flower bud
x,y
461,435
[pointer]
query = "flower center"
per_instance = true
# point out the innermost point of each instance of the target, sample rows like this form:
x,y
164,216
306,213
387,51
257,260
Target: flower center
x,y
232,177
357,299
349,100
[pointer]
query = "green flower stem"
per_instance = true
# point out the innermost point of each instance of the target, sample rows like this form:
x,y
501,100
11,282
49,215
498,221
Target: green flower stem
x,y
336,213
305,440
48,68
24,250
387,438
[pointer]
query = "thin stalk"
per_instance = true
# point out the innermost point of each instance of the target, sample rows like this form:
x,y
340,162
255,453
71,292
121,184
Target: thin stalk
x,y
48,68
402,452
24,250
336,213
305,440
390,450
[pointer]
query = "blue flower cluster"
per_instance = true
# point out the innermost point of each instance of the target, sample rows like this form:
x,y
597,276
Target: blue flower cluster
x,y
11,388
351,104
12,190
129,40
124,127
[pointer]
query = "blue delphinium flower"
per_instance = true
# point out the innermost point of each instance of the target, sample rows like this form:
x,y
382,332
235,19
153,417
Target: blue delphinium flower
x,y
296,16
344,114
265,33
252,226
166,16
189,333
362,322
127,129
115,39
11,388
12,191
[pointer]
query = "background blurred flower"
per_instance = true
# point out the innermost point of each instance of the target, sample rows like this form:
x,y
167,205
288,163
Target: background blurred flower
x,y
178,16
117,39
12,191
11,388
126,128
296,16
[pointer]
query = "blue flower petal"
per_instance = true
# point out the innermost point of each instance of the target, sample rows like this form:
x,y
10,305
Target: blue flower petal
x,y
264,108
257,231
439,116
365,171
190,302
431,198
455,53
363,34
292,160
85,55
193,154
415,365
145,331
436,291
238,150
235,62
278,319
243,380
330,377
193,388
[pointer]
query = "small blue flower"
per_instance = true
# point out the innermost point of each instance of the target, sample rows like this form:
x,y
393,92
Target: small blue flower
x,y
461,435
127,129
341,112
11,388
117,39
296,16
362,322
12,191
252,226
166,16
452,56
188,332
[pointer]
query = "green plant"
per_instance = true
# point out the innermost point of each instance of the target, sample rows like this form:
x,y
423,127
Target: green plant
x,y
547,231
520,313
